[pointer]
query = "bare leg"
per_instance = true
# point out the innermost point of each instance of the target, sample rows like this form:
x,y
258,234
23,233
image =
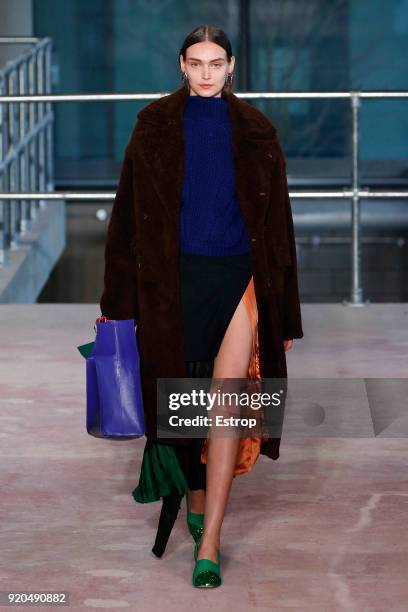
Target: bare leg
x,y
232,361
196,499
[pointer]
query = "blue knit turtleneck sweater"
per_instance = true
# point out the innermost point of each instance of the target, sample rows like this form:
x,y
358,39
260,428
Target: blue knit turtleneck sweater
x,y
211,221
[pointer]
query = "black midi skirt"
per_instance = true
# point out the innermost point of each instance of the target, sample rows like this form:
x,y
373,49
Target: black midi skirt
x,y
211,288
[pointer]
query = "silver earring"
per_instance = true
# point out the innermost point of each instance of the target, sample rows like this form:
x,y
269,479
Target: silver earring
x,y
229,77
184,78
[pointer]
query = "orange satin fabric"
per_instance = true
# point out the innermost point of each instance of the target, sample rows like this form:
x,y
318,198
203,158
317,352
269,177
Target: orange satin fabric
x,y
249,448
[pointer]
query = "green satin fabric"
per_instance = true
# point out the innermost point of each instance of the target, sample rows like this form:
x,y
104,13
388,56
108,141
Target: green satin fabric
x,y
160,474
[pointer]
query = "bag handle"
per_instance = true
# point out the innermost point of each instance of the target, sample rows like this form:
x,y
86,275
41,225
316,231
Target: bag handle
x,y
101,320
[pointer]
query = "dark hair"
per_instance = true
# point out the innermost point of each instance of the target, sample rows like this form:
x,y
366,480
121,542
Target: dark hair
x,y
213,34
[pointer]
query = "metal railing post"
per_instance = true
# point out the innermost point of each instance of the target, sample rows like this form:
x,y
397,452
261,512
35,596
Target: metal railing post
x,y
24,156
4,185
356,258
41,134
32,120
13,125
50,124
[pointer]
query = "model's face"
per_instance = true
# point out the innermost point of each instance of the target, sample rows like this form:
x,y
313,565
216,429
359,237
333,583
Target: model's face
x,y
206,63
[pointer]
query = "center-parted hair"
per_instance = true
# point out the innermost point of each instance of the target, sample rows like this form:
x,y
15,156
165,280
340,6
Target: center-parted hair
x,y
213,34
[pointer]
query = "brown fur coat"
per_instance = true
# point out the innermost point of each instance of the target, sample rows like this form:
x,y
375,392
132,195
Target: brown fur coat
x,y
141,255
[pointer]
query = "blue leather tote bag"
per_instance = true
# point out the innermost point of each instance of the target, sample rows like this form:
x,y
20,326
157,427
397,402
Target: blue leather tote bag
x,y
114,402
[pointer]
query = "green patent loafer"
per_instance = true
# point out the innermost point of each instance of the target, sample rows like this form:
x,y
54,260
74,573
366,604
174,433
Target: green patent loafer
x,y
207,573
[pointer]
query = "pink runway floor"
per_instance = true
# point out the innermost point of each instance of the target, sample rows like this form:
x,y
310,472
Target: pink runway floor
x,y
322,528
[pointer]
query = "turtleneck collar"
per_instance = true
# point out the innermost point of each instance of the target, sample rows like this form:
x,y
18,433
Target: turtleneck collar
x,y
206,109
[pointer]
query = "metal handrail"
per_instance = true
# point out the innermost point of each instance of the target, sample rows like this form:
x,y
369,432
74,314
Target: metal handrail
x,y
355,193
155,96
26,158
110,195
21,40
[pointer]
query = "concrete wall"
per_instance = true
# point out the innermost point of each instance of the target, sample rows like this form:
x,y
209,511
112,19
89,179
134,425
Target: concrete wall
x,y
31,264
16,19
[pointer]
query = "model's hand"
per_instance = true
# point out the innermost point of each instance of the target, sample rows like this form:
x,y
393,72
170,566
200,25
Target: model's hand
x,y
287,344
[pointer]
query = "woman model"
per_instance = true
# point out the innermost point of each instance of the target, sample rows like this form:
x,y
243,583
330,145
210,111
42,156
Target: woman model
x,y
201,253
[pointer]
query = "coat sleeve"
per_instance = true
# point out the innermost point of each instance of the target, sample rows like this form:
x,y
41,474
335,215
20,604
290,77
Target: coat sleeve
x,y
292,320
119,297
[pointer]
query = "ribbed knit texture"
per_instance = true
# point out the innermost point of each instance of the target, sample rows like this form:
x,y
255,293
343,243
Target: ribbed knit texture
x,y
211,221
